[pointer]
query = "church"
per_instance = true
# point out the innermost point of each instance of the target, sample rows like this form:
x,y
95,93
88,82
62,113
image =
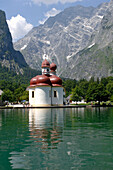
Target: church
x,y
46,89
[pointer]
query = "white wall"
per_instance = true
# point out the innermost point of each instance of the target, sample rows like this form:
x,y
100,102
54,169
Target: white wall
x,y
42,95
42,98
59,99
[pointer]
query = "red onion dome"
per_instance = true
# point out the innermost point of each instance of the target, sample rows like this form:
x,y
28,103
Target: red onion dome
x,y
56,81
33,81
53,66
43,80
40,80
45,63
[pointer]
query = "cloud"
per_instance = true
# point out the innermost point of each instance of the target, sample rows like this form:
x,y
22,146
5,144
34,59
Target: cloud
x,y
18,27
28,2
48,2
48,14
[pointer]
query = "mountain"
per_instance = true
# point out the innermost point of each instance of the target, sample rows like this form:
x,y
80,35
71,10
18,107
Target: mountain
x,y
96,60
13,67
79,39
9,57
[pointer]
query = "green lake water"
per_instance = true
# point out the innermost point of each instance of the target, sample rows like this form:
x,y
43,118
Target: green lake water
x,y
56,139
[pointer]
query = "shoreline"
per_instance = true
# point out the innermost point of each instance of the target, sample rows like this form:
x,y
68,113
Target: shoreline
x,y
47,107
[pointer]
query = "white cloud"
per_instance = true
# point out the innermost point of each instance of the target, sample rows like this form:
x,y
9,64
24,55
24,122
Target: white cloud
x,y
48,2
50,13
18,27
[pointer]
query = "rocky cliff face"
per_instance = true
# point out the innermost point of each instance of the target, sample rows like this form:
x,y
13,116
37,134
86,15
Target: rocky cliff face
x,y
79,39
97,58
8,56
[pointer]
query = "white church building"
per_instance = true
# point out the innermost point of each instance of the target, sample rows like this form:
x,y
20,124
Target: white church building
x,y
46,89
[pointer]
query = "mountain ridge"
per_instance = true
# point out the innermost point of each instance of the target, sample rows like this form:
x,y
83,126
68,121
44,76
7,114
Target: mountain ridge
x,y
96,59
13,67
8,56
65,37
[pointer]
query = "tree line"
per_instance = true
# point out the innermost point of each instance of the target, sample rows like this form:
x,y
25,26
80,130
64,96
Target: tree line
x,y
13,85
14,88
13,91
100,90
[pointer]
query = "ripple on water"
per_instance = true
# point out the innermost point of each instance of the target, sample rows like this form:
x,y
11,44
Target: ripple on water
x,y
56,139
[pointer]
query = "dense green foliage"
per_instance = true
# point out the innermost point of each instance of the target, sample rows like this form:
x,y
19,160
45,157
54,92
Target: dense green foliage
x,y
13,85
10,76
92,90
68,85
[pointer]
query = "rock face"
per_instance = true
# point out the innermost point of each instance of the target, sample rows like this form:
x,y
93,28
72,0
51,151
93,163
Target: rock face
x,y
79,39
96,60
10,58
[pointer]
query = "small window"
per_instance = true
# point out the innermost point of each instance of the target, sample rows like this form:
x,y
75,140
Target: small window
x,y
55,93
32,94
49,93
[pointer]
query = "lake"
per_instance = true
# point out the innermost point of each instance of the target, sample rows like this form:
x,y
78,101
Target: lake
x,y
56,139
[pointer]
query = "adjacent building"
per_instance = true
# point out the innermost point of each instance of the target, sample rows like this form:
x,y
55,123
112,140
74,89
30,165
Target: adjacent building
x,y
46,89
1,92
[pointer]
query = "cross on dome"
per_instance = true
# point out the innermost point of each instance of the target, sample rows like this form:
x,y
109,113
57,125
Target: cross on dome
x,y
45,56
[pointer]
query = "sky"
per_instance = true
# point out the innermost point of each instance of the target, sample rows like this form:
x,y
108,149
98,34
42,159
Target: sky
x,y
23,15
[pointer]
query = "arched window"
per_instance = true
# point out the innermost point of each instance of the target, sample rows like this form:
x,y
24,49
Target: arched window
x,y
32,94
55,93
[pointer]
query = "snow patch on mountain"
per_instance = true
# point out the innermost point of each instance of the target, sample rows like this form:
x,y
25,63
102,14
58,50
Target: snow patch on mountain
x,y
23,47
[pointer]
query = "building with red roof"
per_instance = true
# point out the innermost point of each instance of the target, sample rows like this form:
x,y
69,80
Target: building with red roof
x,y
46,89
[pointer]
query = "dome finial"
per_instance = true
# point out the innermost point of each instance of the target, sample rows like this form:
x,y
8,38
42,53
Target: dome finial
x,y
45,65
45,56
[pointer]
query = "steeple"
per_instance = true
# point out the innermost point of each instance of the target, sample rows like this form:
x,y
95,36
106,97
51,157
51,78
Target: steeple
x,y
53,68
45,67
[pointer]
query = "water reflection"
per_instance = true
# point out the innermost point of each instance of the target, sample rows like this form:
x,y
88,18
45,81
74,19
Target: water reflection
x,y
47,139
45,133
45,126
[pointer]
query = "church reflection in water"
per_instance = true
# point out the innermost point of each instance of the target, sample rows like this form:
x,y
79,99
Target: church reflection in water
x,y
46,126
43,134
49,138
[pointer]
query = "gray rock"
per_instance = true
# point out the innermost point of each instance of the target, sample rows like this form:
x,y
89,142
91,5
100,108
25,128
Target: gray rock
x,y
10,58
79,39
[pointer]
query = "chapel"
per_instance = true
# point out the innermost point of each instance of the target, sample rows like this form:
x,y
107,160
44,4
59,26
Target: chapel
x,y
46,89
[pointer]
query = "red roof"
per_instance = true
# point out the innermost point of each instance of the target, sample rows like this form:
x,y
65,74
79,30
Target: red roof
x,y
53,66
45,63
33,81
41,80
44,80
56,81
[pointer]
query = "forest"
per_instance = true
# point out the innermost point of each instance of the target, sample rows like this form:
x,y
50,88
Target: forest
x,y
92,90
99,90
14,87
